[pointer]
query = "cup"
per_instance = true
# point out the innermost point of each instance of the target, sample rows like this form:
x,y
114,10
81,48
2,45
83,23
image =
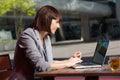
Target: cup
x,y
114,63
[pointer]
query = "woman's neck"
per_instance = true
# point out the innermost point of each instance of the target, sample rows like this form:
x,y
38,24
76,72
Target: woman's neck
x,y
42,36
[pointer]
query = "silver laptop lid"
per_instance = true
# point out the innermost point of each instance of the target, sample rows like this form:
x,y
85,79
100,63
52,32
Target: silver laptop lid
x,y
100,51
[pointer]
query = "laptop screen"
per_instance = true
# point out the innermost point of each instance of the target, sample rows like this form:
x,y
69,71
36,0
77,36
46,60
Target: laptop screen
x,y
100,51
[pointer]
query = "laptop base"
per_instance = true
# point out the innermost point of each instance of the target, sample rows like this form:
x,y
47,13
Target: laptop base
x,y
80,66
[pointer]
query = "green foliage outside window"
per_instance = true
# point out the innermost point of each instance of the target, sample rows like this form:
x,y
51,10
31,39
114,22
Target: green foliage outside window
x,y
18,9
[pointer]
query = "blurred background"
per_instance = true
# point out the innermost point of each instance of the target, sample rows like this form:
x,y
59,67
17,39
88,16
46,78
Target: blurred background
x,y
81,19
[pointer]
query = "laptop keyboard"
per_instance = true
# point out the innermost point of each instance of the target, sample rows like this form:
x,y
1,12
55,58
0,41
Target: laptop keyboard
x,y
88,63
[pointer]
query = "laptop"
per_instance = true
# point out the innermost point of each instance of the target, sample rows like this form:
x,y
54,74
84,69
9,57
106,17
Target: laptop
x,y
98,57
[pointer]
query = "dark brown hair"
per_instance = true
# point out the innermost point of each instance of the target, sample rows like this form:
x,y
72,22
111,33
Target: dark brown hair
x,y
44,18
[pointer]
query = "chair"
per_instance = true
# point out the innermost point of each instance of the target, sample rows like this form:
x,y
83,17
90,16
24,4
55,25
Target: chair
x,y
5,67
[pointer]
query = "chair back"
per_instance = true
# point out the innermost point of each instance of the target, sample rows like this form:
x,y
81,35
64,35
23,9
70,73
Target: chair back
x,y
5,67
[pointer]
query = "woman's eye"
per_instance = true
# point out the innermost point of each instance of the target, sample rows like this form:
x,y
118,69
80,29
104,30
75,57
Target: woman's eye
x,y
57,21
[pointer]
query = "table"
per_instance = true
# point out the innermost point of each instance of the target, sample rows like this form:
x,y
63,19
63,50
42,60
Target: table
x,y
89,73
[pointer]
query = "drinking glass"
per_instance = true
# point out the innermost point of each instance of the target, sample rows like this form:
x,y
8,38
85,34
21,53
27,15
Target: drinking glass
x,y
114,63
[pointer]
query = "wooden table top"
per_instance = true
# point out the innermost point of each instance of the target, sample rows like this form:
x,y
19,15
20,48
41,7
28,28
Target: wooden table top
x,y
104,71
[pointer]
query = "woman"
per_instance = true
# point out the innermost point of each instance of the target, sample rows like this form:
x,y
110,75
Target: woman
x,y
33,50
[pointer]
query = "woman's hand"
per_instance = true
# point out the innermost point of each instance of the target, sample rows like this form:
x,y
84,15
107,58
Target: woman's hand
x,y
76,58
77,54
72,61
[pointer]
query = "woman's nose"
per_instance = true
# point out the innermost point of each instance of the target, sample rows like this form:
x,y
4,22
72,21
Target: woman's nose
x,y
58,26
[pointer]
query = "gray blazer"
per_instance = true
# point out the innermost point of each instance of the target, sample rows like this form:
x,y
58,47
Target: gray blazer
x,y
30,55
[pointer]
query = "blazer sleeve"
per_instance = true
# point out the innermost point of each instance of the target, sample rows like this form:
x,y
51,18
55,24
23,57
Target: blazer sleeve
x,y
34,54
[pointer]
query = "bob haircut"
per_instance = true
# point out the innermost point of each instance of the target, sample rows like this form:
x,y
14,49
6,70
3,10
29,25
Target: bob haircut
x,y
44,18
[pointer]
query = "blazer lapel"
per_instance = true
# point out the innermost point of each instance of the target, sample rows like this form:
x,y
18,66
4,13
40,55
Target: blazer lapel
x,y
39,44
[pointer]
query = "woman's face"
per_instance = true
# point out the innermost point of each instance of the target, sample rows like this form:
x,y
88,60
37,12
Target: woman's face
x,y
55,24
